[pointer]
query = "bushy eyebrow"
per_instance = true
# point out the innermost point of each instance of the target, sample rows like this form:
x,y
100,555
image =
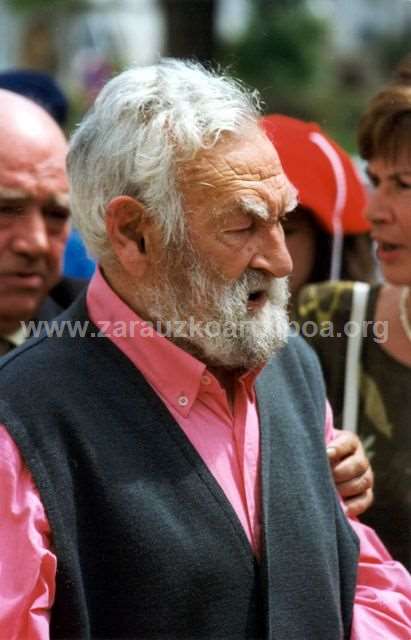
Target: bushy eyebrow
x,y
253,207
19,195
292,201
259,209
12,194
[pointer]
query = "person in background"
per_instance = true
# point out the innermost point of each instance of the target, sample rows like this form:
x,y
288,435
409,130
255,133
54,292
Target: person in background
x,y
385,358
34,218
327,235
44,90
39,87
176,468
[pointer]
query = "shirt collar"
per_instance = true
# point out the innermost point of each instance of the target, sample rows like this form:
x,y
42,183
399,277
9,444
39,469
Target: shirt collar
x,y
172,372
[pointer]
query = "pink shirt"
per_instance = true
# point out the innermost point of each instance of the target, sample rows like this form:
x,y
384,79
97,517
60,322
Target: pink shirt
x,y
228,442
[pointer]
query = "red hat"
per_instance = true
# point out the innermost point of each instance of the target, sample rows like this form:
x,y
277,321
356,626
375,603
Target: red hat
x,y
322,171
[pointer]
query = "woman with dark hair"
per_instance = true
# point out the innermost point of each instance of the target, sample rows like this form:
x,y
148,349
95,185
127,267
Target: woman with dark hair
x,y
383,363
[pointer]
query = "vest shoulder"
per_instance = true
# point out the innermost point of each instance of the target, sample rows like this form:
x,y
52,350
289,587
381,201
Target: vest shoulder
x,y
298,363
56,345
293,380
298,352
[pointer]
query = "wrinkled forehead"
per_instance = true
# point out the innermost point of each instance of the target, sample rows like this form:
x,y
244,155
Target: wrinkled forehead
x,y
33,170
236,163
251,149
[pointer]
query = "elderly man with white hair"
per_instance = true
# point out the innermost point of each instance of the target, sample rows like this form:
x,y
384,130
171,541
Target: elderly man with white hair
x,y
173,475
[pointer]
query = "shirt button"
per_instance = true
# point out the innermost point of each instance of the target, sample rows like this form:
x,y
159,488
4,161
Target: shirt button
x,y
183,401
206,379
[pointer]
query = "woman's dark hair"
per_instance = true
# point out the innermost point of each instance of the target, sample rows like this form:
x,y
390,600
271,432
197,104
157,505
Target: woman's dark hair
x,y
385,127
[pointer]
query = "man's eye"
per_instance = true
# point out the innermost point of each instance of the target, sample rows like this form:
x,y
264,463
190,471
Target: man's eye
x,y
243,227
240,233
290,229
10,209
56,213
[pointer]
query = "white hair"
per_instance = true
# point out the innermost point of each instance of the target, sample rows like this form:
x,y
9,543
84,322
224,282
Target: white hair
x,y
144,123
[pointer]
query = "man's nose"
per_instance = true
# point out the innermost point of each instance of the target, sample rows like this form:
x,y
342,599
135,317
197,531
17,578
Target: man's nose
x,y
31,234
272,255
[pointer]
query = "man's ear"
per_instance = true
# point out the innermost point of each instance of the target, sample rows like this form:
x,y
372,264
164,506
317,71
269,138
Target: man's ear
x,y
127,227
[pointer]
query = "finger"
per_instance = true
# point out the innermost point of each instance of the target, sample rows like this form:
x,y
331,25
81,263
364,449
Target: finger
x,y
351,467
356,486
356,506
344,444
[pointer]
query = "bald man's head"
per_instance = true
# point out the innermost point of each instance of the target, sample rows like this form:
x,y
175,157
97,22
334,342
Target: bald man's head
x,y
12,103
27,125
33,207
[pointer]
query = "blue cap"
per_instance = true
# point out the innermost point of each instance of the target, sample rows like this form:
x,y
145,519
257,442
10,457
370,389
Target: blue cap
x,y
39,87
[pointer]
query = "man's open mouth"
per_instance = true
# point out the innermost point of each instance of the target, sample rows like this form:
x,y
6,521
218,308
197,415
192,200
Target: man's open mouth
x,y
256,295
257,299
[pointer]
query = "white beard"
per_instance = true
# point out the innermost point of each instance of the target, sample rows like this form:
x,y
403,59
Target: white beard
x,y
231,335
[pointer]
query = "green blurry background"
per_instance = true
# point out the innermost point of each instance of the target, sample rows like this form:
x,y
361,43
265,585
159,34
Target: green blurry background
x,y
315,59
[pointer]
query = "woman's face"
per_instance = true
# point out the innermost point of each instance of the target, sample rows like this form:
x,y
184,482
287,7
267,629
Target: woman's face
x,y
389,212
301,240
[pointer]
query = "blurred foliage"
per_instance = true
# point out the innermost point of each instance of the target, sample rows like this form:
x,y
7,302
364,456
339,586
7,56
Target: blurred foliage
x,y
281,54
288,55
388,49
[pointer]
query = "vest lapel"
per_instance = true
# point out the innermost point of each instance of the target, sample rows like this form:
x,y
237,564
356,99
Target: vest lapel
x,y
298,566
190,454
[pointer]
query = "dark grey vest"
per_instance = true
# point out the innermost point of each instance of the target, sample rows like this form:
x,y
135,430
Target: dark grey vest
x,y
148,545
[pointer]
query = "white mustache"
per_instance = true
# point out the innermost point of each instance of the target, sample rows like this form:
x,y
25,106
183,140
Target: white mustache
x,y
277,288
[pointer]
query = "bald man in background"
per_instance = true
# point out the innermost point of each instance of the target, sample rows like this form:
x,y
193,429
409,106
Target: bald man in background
x,y
34,218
